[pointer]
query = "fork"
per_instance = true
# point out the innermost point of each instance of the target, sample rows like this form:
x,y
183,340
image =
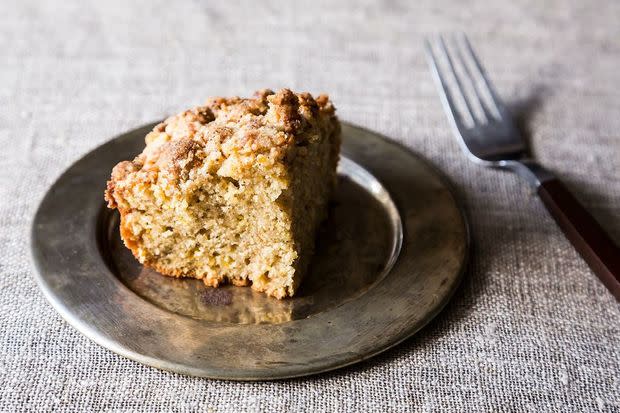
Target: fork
x,y
487,134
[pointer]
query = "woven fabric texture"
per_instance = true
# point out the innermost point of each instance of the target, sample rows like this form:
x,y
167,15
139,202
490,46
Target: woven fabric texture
x,y
530,329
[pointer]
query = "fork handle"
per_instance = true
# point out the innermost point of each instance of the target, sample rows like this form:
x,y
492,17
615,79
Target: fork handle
x,y
586,235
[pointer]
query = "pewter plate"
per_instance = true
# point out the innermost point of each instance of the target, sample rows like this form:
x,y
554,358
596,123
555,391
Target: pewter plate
x,y
388,259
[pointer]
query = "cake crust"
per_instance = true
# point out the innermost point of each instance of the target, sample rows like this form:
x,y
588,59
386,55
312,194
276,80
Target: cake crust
x,y
231,191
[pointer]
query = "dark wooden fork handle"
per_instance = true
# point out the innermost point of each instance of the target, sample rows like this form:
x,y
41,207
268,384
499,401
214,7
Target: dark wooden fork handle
x,y
586,235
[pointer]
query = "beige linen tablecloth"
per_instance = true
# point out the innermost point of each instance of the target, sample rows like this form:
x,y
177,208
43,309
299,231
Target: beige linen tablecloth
x,y
531,328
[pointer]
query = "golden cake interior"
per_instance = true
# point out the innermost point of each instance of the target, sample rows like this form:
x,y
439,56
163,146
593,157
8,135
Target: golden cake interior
x,y
232,191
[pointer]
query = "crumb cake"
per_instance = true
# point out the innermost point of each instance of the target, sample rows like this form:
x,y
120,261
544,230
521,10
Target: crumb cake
x,y
232,191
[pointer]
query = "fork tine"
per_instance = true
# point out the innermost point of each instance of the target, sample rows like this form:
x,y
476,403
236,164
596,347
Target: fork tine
x,y
444,92
498,106
459,84
475,85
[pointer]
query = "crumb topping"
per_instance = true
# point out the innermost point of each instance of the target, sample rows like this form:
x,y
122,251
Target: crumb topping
x,y
272,126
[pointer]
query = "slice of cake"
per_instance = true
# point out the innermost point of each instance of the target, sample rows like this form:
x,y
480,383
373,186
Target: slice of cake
x,y
232,191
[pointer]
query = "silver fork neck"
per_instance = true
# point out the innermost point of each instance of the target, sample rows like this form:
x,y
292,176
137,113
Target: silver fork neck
x,y
528,169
